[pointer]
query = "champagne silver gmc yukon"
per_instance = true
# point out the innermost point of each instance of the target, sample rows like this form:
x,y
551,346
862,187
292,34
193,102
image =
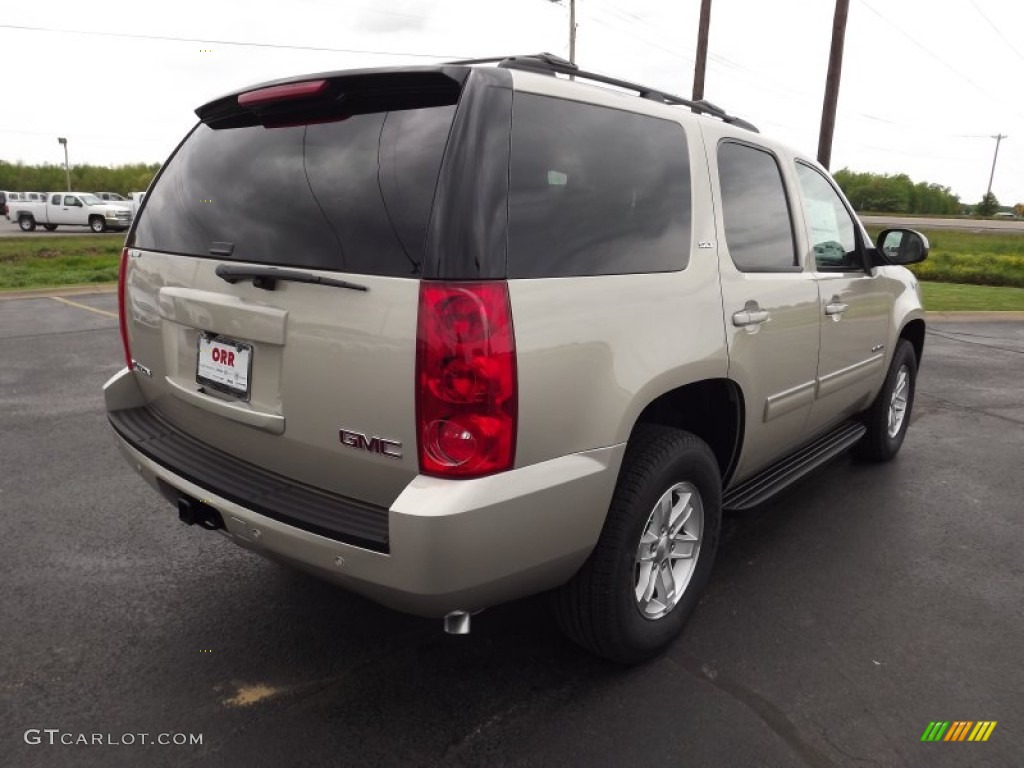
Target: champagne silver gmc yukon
x,y
453,335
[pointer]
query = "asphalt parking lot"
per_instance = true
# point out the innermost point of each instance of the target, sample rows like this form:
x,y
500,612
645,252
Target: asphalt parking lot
x,y
839,622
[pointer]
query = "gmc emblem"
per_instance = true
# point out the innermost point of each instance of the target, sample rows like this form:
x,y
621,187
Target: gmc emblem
x,y
390,448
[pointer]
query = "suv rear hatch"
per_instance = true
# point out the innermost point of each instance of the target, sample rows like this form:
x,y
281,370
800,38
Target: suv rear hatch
x,y
271,280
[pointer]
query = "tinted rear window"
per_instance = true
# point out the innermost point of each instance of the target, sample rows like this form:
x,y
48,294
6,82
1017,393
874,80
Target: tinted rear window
x,y
353,195
595,191
758,229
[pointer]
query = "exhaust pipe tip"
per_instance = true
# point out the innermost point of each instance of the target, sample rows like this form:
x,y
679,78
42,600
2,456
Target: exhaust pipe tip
x,y
457,623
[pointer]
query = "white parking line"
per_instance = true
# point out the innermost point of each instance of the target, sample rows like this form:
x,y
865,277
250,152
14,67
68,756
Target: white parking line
x,y
85,306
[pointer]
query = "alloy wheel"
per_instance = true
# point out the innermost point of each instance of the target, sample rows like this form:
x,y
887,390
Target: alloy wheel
x,y
898,401
666,556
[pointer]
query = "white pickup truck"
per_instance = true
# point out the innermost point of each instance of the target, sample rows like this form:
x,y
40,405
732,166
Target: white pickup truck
x,y
136,200
82,209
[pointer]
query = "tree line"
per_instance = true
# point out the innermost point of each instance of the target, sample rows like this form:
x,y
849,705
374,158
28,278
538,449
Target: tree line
x,y
898,193
874,192
18,177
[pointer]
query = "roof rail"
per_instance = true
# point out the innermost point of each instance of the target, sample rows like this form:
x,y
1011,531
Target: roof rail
x,y
549,64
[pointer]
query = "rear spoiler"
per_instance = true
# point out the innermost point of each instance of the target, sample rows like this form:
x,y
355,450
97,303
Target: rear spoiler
x,y
335,96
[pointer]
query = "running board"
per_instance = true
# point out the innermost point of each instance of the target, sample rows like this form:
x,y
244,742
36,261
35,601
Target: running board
x,y
783,473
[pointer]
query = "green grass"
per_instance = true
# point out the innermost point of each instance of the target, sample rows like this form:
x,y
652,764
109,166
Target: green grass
x,y
49,262
975,258
949,297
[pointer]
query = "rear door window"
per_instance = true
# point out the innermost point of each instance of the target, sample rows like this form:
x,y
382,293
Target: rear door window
x,y
353,195
595,191
758,227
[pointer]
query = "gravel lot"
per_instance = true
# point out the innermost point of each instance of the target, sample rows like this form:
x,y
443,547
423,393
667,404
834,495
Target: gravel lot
x,y
840,620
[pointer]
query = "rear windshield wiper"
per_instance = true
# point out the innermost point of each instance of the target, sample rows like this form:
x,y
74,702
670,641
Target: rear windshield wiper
x,y
267,277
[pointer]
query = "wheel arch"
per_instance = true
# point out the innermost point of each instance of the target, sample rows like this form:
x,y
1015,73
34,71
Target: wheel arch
x,y
712,409
914,332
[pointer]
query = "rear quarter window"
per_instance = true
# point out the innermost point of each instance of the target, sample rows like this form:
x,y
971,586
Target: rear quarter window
x,y
595,191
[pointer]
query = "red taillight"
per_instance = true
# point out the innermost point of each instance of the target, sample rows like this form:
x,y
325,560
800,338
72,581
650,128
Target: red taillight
x,y
284,92
466,404
122,318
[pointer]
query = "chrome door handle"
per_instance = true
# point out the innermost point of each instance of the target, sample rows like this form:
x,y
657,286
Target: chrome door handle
x,y
835,308
747,317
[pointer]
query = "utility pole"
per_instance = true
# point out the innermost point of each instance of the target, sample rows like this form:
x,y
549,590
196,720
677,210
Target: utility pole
x,y
700,64
572,30
835,68
67,168
998,137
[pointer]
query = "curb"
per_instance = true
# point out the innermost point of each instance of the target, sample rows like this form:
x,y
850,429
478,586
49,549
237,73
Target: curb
x,y
69,290
975,317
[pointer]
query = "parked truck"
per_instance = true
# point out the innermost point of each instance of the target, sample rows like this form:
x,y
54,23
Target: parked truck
x,y
82,209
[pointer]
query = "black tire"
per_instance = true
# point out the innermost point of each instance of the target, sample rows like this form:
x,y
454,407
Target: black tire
x,y
878,444
27,223
97,224
49,227
598,608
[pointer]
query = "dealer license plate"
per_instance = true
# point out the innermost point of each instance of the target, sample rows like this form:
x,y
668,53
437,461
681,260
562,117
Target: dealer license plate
x,y
224,364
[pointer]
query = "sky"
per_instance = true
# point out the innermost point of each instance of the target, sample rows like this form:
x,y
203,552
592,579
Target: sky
x,y
926,85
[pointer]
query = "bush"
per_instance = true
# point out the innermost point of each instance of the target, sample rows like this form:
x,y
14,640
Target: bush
x,y
988,205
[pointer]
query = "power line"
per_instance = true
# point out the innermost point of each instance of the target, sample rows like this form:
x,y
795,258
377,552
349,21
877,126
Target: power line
x,y
735,70
626,16
597,19
935,56
230,42
892,150
914,40
916,128
997,30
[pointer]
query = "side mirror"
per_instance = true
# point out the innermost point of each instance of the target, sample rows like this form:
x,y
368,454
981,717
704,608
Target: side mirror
x,y
901,246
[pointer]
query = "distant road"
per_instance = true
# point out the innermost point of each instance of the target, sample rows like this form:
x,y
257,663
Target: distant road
x,y
962,225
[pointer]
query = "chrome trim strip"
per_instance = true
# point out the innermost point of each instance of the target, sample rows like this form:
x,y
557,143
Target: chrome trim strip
x,y
789,400
844,377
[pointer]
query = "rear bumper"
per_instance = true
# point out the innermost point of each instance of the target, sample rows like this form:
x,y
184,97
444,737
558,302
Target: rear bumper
x,y
451,544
